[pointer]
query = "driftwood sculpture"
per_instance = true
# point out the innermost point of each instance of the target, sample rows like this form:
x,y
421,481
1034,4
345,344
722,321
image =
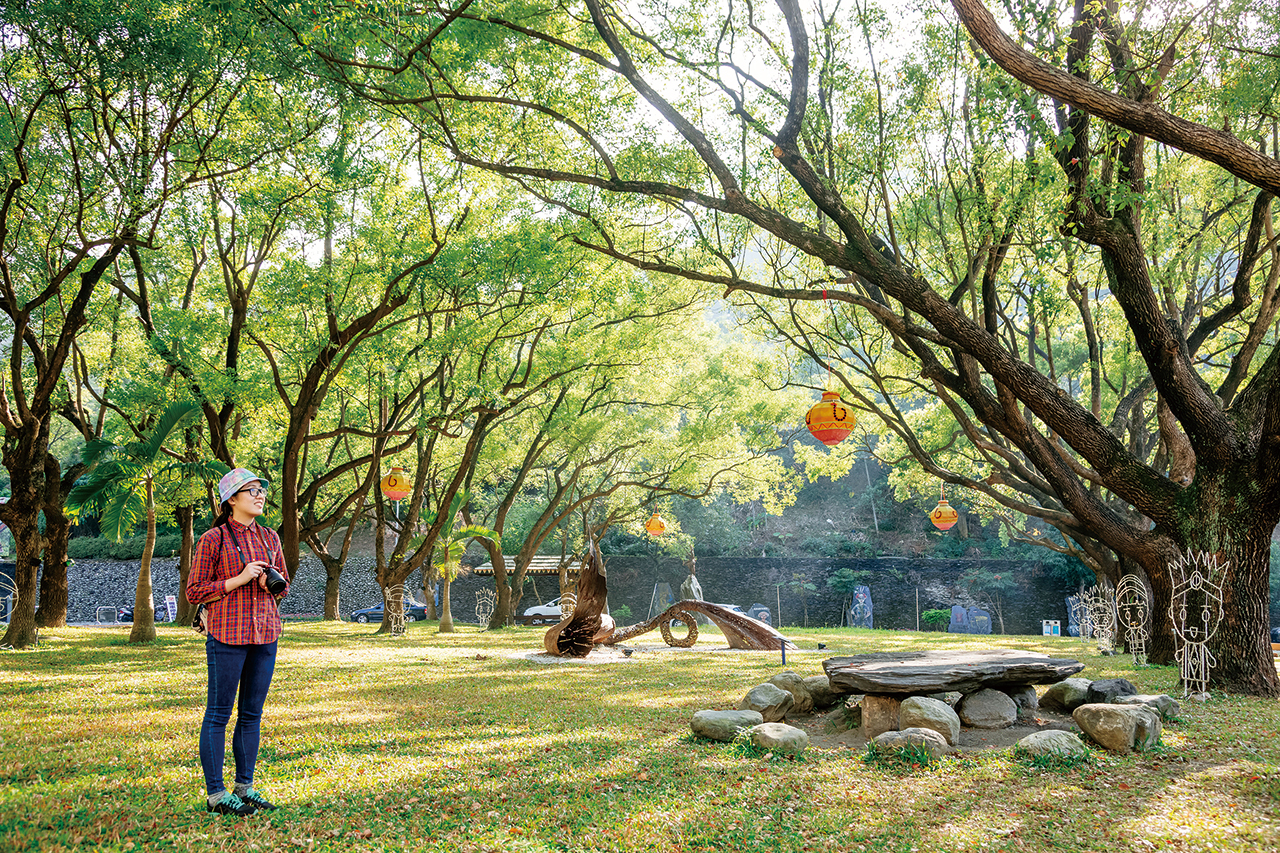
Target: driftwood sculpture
x,y
586,625
741,631
589,624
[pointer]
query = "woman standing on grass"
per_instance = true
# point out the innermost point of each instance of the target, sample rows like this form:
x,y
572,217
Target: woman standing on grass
x,y
232,575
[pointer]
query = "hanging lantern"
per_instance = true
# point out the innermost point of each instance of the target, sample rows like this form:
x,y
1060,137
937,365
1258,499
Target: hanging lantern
x,y
830,421
944,515
396,485
655,525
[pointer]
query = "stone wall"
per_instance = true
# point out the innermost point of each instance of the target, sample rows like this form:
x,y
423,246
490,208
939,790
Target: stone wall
x,y
95,583
743,581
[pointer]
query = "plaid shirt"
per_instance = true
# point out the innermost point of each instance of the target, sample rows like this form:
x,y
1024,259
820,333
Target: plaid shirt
x,y
247,615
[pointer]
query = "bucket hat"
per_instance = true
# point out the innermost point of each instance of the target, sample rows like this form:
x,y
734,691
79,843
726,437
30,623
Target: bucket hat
x,y
235,480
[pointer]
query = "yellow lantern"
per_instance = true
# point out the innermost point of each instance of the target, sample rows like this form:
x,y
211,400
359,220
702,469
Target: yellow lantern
x,y
944,515
655,525
396,485
830,421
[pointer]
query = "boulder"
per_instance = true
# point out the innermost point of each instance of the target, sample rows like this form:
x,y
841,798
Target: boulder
x,y
794,684
879,715
908,673
1119,728
936,743
771,701
1164,704
779,737
1108,689
1066,696
848,715
1052,742
1024,698
724,725
987,709
821,691
921,712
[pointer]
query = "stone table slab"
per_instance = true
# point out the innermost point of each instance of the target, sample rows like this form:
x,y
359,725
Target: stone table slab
x,y
916,673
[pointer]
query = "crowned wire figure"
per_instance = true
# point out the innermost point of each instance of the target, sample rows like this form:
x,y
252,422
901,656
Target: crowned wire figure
x,y
1080,616
395,609
1101,603
486,603
1196,611
1132,606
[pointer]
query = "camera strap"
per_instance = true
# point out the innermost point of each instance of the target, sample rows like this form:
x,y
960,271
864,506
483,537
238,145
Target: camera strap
x,y
235,540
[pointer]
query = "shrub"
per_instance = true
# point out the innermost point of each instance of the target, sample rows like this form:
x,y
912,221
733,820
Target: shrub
x,y
101,548
936,617
621,614
823,546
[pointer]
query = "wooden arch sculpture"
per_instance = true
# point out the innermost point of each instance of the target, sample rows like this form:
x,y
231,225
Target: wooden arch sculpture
x,y
589,624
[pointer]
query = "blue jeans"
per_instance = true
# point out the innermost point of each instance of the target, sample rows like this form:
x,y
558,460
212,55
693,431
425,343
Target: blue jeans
x,y
248,669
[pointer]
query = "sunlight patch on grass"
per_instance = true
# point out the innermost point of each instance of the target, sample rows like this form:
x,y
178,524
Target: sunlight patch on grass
x,y
454,743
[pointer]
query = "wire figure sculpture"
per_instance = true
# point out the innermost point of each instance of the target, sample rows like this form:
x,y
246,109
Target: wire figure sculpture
x,y
486,603
1132,606
8,597
1080,616
1101,603
395,609
1196,610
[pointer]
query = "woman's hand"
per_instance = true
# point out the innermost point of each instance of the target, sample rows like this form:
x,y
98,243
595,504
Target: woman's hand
x,y
252,571
262,572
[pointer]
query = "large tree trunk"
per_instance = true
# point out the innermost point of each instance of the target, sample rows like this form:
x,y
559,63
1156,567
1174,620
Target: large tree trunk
x,y
144,609
1242,645
186,516
332,573
26,544
52,611
502,606
24,457
1232,523
429,581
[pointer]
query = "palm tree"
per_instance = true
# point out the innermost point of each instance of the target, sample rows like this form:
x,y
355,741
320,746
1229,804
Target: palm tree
x,y
121,489
450,547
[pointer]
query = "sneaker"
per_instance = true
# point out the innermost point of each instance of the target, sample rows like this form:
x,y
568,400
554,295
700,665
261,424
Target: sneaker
x,y
230,804
259,802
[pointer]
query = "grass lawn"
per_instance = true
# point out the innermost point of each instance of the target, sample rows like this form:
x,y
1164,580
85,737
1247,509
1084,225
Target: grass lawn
x,y
454,743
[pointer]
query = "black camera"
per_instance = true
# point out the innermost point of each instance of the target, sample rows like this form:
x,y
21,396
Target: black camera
x,y
275,581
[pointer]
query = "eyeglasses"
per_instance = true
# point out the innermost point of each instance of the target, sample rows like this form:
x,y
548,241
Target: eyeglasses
x,y
254,491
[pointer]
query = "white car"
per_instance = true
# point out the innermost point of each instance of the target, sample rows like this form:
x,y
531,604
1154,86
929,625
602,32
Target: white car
x,y
549,612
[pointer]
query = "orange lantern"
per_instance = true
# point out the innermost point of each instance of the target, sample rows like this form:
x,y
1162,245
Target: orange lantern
x,y
944,515
396,485
655,525
830,421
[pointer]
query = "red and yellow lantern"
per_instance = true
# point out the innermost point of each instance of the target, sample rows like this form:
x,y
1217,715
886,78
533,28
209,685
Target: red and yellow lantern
x,y
655,525
944,515
396,485
830,421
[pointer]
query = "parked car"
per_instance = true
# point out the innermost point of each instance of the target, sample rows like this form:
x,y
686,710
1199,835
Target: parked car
x,y
540,613
125,614
414,611
1275,635
759,611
